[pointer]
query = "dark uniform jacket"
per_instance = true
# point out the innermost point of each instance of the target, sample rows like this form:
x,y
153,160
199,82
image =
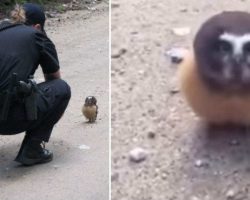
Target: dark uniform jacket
x,y
22,49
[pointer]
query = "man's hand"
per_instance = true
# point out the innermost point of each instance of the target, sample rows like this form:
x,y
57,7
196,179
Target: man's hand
x,y
52,76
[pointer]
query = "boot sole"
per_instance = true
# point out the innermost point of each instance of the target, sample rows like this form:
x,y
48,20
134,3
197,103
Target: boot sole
x,y
29,162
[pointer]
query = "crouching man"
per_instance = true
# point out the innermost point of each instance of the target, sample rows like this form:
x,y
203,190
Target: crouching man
x,y
24,105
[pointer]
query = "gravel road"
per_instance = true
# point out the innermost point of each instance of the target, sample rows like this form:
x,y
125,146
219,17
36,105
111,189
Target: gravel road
x,y
81,38
184,160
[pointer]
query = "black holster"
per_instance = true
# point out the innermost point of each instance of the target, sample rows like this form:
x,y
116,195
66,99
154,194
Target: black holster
x,y
27,91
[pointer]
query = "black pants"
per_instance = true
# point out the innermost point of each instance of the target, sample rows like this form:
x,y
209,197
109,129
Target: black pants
x,y
52,102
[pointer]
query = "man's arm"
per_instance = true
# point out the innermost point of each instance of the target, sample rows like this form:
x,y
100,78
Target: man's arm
x,y
52,76
48,57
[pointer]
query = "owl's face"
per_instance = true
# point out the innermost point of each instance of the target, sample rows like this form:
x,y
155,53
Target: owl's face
x,y
222,52
90,101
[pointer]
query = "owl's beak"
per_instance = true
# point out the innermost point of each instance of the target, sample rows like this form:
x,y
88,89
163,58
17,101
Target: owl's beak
x,y
238,58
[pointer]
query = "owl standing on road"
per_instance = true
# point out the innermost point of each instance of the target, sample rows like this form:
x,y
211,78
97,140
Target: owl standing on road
x,y
90,108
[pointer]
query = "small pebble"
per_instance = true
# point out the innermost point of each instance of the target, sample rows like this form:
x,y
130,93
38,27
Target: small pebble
x,y
135,139
151,134
230,194
174,91
182,31
164,176
141,72
176,54
84,147
157,170
50,15
119,54
138,155
91,8
200,163
194,198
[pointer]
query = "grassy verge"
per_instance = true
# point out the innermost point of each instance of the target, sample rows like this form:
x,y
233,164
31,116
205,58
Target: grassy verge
x,y
7,5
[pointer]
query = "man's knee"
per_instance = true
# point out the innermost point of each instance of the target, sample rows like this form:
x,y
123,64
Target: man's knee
x,y
62,88
66,92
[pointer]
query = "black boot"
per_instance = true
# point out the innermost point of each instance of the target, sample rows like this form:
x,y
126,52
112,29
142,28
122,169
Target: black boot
x,y
32,152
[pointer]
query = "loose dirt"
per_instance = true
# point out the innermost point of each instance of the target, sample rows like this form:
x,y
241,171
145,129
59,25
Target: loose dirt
x,y
185,160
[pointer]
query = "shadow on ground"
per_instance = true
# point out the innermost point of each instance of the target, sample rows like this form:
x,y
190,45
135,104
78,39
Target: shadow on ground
x,y
11,171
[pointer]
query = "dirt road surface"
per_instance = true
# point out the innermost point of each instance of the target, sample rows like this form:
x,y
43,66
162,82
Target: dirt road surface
x,y
185,161
81,38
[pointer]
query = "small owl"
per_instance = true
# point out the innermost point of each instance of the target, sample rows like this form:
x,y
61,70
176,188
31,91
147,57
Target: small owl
x,y
90,109
215,75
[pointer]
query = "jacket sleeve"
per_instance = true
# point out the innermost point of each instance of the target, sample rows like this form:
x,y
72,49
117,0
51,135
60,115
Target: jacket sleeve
x,y
48,54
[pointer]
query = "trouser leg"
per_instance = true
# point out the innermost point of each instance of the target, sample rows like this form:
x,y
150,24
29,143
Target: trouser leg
x,y
51,108
51,104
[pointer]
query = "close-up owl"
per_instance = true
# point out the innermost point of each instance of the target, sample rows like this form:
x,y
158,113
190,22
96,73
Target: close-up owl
x,y
215,75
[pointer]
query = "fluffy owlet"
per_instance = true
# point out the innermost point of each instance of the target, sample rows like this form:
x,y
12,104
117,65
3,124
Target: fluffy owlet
x,y
215,75
90,108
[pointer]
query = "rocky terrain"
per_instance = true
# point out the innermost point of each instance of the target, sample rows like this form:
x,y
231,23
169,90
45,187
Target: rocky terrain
x,y
160,149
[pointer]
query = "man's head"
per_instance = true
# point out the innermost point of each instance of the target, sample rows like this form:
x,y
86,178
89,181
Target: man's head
x,y
35,16
31,14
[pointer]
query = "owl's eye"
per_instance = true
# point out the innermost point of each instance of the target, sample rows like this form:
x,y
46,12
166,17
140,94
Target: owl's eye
x,y
224,47
247,47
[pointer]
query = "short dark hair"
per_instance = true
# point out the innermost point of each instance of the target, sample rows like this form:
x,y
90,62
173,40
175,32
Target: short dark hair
x,y
34,14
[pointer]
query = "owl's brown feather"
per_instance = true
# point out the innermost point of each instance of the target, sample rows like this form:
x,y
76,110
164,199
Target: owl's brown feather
x,y
213,106
90,112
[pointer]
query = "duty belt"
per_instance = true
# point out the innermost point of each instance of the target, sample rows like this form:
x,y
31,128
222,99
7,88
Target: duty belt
x,y
23,91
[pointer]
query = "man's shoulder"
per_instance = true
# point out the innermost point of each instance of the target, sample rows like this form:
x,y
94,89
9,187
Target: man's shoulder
x,y
6,23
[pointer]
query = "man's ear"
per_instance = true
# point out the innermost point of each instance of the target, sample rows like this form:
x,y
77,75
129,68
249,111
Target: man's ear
x,y
38,27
